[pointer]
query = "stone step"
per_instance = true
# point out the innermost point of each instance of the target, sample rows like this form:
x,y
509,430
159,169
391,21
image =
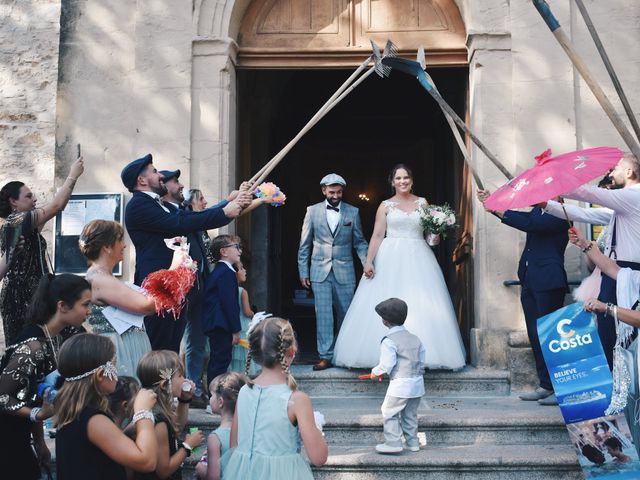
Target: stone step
x,y
468,382
467,462
442,421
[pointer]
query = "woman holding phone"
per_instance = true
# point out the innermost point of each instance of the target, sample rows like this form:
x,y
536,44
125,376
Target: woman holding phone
x,y
26,265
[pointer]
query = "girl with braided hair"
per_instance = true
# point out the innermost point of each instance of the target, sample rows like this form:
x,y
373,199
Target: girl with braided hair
x,y
224,394
272,416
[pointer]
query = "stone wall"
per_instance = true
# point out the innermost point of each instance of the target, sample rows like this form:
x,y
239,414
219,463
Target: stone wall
x,y
29,36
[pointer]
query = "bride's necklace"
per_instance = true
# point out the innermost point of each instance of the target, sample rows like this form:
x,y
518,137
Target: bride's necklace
x,y
55,346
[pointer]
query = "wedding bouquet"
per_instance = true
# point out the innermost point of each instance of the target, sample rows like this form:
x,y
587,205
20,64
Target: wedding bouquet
x,y
268,189
437,221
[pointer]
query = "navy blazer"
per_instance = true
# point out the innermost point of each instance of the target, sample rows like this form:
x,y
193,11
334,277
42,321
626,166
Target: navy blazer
x,y
149,224
220,303
541,266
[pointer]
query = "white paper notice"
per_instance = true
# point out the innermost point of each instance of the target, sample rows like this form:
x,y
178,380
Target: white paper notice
x,y
73,217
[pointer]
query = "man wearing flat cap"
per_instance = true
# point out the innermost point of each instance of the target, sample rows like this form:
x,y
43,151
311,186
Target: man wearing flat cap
x,y
330,231
149,221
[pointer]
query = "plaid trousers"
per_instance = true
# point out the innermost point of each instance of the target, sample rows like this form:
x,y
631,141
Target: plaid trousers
x,y
327,294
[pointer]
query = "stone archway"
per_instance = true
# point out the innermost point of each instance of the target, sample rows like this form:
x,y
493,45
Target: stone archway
x,y
218,50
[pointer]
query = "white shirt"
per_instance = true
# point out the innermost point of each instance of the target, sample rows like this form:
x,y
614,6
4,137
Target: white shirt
x,y
628,288
157,199
228,265
622,205
333,217
400,387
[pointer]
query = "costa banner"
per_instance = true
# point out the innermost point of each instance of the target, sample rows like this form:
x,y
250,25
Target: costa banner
x,y
583,385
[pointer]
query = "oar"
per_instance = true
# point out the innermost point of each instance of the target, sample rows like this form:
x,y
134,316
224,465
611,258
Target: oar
x,y
609,67
452,125
414,68
336,98
565,43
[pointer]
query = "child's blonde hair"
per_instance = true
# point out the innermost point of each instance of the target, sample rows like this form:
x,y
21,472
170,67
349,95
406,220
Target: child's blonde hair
x,y
268,345
227,386
155,370
81,354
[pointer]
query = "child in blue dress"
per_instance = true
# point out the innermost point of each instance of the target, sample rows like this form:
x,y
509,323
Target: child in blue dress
x,y
224,394
272,416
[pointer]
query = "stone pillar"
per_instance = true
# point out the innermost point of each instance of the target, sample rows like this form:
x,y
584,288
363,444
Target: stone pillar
x,y
213,118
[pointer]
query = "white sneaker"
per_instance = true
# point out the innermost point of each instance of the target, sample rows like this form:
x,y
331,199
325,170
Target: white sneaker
x,y
384,448
414,448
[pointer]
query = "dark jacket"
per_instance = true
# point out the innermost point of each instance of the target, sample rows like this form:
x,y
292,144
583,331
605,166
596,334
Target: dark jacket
x,y
220,305
148,225
541,265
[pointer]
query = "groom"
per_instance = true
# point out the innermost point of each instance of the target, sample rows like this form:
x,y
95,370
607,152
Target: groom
x,y
333,228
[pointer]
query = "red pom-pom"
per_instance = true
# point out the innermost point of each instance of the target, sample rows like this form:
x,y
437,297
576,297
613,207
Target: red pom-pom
x,y
169,289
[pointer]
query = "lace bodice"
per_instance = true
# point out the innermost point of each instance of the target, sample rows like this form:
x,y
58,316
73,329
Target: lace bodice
x,y
401,224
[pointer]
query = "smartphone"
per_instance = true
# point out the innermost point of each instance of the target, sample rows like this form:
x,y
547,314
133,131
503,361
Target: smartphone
x,y
79,151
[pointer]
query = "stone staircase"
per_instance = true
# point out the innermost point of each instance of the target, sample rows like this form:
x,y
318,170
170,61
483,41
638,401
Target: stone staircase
x,y
472,426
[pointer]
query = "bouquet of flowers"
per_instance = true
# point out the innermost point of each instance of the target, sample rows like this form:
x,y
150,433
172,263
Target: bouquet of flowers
x,y
437,221
268,189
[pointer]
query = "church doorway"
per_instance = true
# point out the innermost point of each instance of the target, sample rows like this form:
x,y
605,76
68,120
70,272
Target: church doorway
x,y
381,123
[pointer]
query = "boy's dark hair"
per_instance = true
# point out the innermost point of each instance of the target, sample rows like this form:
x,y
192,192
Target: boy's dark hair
x,y
217,244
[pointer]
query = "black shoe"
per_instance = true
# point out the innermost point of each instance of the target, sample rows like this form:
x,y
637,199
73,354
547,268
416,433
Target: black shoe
x,y
322,365
200,402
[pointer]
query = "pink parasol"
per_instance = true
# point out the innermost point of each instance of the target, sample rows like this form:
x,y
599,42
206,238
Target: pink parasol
x,y
553,176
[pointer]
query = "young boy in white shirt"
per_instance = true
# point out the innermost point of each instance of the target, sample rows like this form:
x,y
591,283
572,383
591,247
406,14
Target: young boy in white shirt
x,y
402,357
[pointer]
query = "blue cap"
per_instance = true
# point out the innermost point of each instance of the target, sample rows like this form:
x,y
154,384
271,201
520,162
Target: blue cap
x,y
169,174
130,173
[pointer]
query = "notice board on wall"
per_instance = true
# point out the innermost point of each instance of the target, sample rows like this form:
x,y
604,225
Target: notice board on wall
x,y
81,209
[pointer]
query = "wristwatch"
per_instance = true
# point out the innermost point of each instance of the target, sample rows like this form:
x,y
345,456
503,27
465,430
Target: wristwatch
x,y
187,447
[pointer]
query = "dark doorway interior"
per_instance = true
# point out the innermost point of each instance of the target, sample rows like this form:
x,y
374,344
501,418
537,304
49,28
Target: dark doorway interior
x,y
381,123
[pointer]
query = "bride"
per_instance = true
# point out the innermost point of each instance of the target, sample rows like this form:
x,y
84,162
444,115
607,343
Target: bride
x,y
400,265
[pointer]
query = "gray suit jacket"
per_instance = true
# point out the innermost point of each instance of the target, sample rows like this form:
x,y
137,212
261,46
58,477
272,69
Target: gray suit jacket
x,y
330,251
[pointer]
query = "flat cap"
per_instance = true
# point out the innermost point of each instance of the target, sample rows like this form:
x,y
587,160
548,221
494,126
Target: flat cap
x,y
130,173
333,179
393,310
169,174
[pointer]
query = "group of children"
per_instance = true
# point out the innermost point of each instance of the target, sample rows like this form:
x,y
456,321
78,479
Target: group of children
x,y
112,426
115,429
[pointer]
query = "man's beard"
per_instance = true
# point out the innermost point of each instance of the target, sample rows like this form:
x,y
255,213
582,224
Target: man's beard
x,y
334,202
178,197
161,189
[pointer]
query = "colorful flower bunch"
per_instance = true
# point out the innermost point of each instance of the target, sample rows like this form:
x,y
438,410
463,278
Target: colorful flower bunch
x,y
438,219
269,189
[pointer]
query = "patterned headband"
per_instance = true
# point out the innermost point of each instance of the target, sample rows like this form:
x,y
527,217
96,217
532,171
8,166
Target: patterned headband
x,y
110,371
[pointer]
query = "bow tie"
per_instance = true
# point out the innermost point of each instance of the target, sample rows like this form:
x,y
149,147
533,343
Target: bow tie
x,y
335,209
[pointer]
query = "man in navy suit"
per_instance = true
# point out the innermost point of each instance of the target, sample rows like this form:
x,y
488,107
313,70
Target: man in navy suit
x,y
542,277
194,337
220,305
149,221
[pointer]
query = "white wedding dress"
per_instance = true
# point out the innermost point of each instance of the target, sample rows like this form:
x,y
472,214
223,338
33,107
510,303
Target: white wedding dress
x,y
406,268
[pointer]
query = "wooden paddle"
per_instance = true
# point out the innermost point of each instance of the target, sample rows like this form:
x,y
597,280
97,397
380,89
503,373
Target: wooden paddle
x,y
344,90
578,63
